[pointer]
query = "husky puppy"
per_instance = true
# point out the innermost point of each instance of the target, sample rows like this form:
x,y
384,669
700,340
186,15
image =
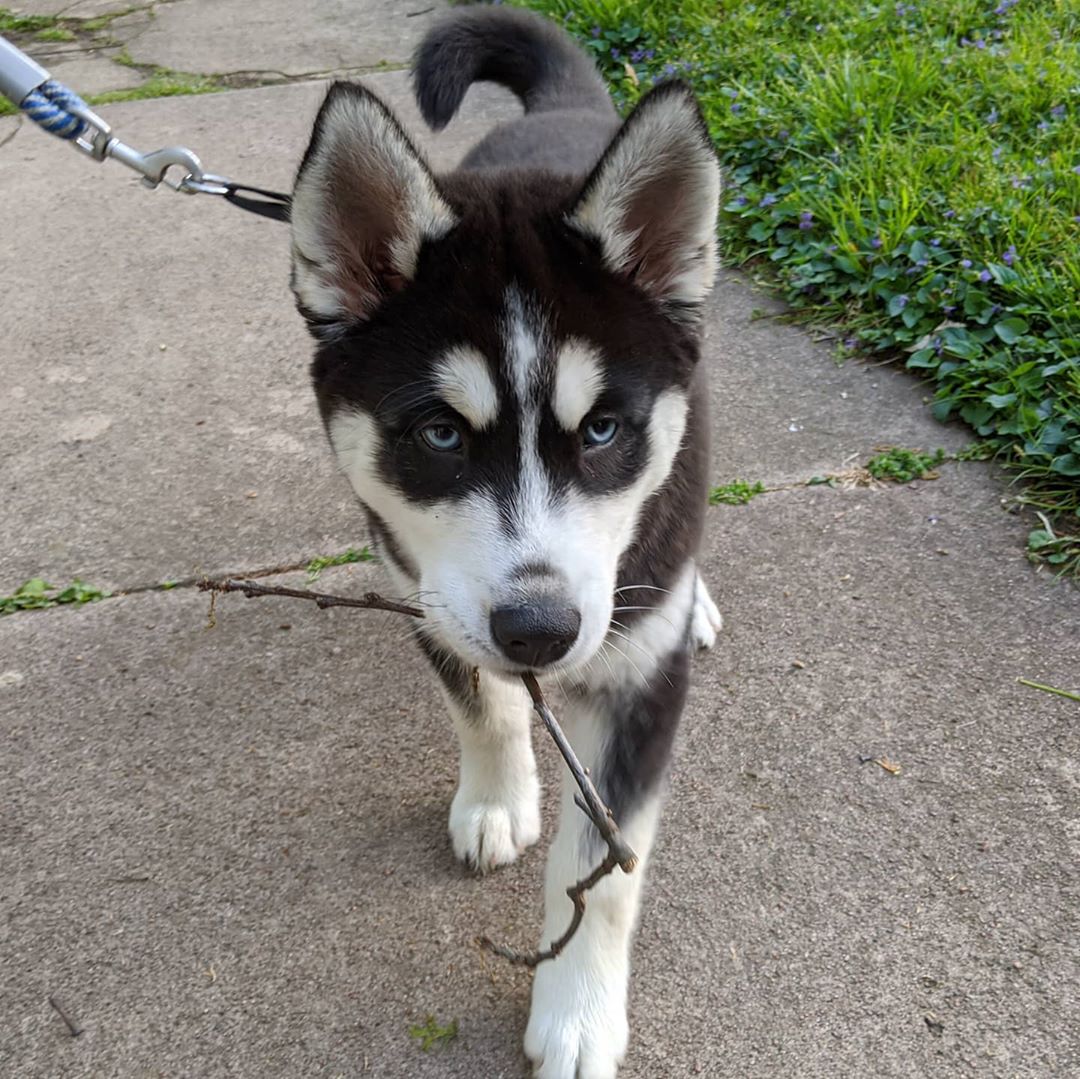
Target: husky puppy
x,y
507,367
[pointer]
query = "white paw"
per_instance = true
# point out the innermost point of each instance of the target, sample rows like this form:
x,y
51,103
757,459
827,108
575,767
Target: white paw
x,y
576,1030
491,831
706,621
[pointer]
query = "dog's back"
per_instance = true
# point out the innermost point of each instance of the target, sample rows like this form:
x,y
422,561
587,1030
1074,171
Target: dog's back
x,y
569,118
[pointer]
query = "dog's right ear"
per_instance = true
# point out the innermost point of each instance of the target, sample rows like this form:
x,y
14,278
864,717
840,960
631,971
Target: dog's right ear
x,y
363,203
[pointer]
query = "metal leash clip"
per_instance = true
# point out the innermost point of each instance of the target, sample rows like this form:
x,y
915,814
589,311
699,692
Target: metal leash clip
x,y
98,141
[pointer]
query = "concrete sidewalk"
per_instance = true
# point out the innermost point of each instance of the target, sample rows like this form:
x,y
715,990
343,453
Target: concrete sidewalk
x,y
223,851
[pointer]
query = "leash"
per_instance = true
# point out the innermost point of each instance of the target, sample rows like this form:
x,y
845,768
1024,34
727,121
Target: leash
x,y
62,113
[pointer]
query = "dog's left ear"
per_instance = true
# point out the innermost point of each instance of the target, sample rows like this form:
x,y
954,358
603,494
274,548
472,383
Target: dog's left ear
x,y
653,198
363,204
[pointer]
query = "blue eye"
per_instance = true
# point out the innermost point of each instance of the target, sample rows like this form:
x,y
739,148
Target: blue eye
x,y
441,437
601,431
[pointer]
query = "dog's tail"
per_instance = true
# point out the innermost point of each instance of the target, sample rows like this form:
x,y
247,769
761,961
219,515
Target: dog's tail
x,y
524,52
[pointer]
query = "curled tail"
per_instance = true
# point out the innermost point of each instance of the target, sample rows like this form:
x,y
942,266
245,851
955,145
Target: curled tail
x,y
524,52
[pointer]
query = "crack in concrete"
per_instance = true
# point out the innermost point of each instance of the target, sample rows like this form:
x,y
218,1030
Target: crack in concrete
x,y
18,127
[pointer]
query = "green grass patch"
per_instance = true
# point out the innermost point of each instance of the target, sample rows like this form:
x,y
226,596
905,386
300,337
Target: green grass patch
x,y
11,23
910,172
349,555
736,493
36,594
430,1034
902,466
55,33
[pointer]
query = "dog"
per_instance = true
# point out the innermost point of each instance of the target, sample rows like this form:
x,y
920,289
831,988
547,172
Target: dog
x,y
507,366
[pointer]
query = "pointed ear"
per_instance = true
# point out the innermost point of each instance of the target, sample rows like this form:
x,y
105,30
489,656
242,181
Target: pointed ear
x,y
363,203
652,200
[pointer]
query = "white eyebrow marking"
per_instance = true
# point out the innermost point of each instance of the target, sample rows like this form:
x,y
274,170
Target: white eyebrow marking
x,y
463,379
579,380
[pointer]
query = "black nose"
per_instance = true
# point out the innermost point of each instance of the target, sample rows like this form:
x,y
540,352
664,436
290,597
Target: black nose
x,y
535,635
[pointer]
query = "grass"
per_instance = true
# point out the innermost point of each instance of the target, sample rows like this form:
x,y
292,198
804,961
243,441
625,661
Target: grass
x,y
320,562
430,1034
736,493
36,594
903,466
910,173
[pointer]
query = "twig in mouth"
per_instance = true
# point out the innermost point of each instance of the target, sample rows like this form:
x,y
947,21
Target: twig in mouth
x,y
74,1030
620,853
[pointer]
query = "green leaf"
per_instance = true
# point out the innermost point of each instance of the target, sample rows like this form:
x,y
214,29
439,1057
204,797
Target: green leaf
x,y
1009,329
1068,464
1001,400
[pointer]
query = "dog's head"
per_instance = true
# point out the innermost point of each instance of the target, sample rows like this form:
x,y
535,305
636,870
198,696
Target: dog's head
x,y
504,362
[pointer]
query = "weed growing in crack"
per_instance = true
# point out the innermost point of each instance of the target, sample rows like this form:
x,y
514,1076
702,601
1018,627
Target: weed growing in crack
x,y
321,562
36,594
736,493
902,466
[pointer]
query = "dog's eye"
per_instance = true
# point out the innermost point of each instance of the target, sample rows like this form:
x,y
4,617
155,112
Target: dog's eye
x,y
441,437
600,431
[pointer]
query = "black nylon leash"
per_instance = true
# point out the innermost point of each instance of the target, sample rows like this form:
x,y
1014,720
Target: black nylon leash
x,y
272,204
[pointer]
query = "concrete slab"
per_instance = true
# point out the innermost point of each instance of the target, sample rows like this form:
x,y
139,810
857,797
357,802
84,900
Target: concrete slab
x,y
159,421
227,850
227,36
71,9
94,73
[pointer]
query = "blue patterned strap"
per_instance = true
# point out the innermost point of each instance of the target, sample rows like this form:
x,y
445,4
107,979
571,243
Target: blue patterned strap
x,y
49,107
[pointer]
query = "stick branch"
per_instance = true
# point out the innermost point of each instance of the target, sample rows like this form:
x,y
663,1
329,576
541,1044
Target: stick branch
x,y
369,601
620,853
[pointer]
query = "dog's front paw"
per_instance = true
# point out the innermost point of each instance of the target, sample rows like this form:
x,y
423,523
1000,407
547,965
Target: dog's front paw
x,y
706,620
575,1031
490,829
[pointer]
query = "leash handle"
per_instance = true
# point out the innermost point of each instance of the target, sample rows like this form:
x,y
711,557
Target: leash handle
x,y
19,75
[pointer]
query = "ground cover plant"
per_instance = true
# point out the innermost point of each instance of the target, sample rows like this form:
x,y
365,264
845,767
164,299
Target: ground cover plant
x,y
909,172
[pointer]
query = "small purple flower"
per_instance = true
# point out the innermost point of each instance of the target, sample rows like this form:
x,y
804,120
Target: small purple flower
x,y
992,116
669,69
901,302
911,270
615,54
979,43
949,214
736,107
875,243
637,55
768,200
729,91
831,248
851,342
1057,112
984,276
650,53
1042,125
935,242
806,220
965,42
949,308
742,200
966,263
1010,256
1076,169
595,31
783,134
998,151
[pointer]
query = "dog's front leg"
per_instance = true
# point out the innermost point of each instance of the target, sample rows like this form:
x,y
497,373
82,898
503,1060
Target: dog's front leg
x,y
577,1026
495,813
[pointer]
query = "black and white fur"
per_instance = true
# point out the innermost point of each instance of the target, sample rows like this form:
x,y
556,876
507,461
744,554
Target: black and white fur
x,y
480,334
